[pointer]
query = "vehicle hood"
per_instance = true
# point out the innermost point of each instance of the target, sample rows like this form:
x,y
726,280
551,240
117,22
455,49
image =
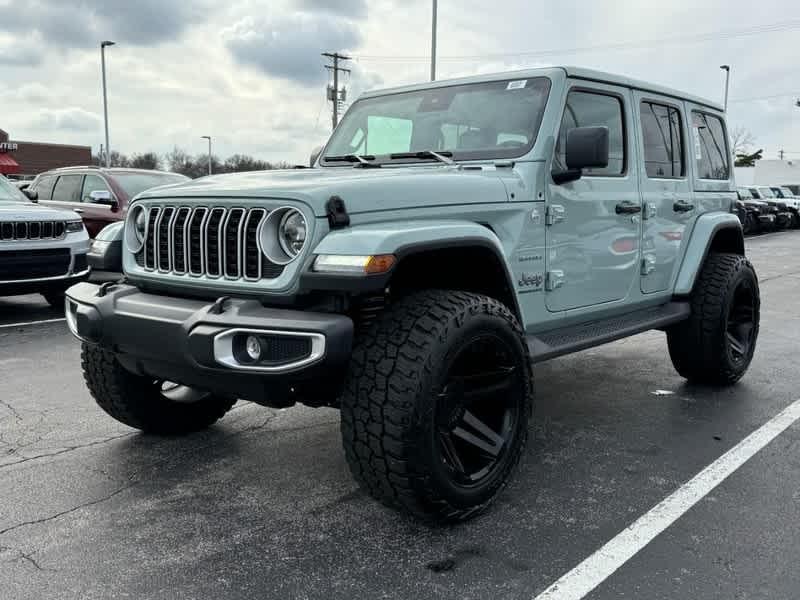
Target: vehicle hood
x,y
362,190
28,211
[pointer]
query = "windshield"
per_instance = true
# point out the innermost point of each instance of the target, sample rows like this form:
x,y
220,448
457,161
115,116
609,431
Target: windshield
x,y
766,192
10,193
490,120
787,193
135,183
744,194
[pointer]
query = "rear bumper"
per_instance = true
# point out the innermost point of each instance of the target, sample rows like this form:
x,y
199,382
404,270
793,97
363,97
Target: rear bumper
x,y
189,341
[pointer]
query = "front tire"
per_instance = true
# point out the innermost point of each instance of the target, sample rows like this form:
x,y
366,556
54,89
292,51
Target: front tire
x,y
144,403
716,344
436,405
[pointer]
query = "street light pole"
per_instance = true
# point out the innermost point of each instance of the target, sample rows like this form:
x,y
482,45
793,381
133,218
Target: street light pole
x,y
103,46
208,137
433,41
727,69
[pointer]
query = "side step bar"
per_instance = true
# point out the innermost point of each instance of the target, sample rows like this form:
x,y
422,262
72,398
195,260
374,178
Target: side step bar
x,y
557,342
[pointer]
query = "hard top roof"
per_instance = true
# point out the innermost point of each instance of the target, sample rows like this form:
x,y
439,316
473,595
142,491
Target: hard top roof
x,y
576,72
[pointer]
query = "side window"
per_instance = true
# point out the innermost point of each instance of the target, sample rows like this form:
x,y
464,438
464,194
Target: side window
x,y
591,109
44,187
710,147
68,188
93,183
663,142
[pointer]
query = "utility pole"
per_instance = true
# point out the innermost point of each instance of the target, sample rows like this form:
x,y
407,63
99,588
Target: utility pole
x,y
334,94
103,46
208,137
433,40
727,69
781,153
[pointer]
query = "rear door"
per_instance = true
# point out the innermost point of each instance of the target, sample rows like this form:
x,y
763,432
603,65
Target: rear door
x,y
666,189
594,223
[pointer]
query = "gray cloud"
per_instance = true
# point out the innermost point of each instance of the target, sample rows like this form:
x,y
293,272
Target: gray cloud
x,y
84,23
71,119
20,54
290,47
354,9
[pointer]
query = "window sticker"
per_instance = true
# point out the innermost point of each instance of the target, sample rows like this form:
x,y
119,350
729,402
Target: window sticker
x,y
517,85
698,148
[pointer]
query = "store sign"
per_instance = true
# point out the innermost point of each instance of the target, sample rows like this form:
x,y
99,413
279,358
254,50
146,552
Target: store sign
x,y
8,146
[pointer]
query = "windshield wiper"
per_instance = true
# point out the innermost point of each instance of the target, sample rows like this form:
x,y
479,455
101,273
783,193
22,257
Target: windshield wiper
x,y
443,156
362,160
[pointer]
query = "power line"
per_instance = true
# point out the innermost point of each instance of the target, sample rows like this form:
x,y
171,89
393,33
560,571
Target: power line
x,y
754,98
680,39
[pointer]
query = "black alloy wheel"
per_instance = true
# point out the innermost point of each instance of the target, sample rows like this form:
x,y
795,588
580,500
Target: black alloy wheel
x,y
740,331
478,410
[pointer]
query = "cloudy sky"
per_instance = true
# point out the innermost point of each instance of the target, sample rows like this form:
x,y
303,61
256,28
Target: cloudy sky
x,y
249,72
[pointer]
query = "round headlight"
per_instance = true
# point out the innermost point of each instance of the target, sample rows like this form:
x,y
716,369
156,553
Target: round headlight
x,y
283,234
292,232
136,228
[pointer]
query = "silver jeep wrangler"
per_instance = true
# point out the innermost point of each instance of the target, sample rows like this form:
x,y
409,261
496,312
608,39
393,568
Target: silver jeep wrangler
x,y
448,236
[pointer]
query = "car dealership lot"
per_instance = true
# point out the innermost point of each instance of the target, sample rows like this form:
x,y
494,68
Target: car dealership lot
x,y
263,506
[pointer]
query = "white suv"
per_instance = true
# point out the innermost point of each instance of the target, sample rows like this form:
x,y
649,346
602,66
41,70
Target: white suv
x,y
42,250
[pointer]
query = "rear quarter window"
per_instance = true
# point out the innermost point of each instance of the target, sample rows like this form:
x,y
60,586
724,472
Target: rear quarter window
x,y
711,153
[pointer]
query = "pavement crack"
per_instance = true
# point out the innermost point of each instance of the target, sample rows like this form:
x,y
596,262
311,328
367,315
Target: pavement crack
x,y
66,450
12,410
58,515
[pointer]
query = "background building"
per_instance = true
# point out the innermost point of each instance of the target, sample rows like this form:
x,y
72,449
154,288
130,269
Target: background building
x,y
23,159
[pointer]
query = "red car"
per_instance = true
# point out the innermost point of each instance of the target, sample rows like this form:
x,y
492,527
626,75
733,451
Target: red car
x,y
101,196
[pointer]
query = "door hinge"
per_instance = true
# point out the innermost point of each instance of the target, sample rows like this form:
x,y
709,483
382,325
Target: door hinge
x,y
648,264
554,280
650,210
555,214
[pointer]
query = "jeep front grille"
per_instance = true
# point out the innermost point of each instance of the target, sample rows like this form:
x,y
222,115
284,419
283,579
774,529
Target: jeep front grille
x,y
31,230
216,242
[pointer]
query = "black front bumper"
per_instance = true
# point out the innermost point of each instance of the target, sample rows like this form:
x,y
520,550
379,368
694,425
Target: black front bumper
x,y
174,339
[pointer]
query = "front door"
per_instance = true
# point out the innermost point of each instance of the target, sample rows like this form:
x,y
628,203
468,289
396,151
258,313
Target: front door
x,y
594,223
666,190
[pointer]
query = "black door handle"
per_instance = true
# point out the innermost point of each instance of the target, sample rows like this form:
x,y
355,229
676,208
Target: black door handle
x,y
628,208
682,206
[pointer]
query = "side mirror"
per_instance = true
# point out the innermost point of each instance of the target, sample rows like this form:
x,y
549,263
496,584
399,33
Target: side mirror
x,y
103,197
32,195
314,156
587,148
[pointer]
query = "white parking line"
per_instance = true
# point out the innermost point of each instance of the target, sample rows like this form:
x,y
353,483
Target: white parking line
x,y
10,325
581,580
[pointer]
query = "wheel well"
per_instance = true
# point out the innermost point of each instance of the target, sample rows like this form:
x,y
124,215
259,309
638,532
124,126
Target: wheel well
x,y
467,268
728,240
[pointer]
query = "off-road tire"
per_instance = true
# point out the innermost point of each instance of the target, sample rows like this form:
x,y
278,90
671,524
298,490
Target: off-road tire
x,y
387,407
137,401
698,346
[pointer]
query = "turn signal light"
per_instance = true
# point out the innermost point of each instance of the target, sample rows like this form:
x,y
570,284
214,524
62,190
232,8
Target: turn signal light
x,y
379,264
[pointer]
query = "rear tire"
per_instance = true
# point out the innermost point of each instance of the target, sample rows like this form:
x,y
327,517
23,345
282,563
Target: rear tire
x,y
716,344
436,405
140,402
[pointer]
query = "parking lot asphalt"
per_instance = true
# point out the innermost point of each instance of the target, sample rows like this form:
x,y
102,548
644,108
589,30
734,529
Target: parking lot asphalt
x,y
263,506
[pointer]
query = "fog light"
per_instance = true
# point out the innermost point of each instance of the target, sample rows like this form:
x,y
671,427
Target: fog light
x,y
253,347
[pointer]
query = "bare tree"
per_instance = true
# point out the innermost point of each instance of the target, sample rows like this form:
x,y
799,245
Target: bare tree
x,y
741,140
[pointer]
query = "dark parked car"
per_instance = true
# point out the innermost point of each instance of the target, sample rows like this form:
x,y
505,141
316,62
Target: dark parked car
x,y
760,216
99,195
785,218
